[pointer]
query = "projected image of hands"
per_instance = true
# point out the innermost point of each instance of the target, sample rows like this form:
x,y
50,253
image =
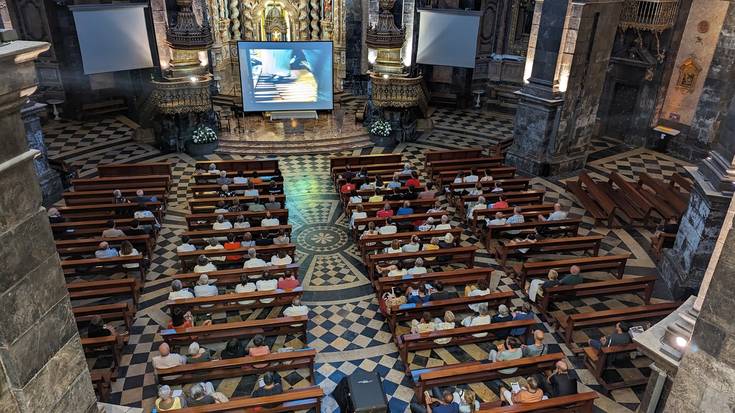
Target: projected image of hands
x,y
286,75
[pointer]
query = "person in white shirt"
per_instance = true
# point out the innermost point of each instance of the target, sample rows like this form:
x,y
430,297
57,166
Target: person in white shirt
x,y
143,212
112,232
486,177
418,267
396,270
166,359
185,245
481,204
471,178
215,245
355,198
447,323
482,289
203,265
358,213
481,318
267,283
269,220
498,220
412,246
178,291
428,225
436,208
458,179
557,215
497,188
221,208
247,240
281,258
127,250
204,287
239,179
444,224
240,222
253,260
245,286
394,248
296,309
516,218
388,228
477,190
221,223
281,239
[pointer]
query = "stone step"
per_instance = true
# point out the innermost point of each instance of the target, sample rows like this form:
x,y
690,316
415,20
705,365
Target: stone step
x,y
293,147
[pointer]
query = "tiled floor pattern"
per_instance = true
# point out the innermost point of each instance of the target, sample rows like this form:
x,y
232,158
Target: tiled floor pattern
x,y
345,325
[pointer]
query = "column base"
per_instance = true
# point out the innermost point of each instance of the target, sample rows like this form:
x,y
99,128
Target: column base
x,y
51,187
559,165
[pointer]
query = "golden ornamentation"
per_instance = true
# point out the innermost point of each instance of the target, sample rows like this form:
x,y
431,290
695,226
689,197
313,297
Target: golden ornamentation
x,y
397,91
182,95
650,15
689,72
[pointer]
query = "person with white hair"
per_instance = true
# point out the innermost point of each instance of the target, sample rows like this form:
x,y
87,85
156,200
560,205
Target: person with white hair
x,y
54,216
166,400
223,179
214,245
481,318
444,223
253,260
203,394
205,287
197,354
502,316
297,308
105,251
221,223
557,215
428,225
118,198
204,265
480,204
418,267
178,291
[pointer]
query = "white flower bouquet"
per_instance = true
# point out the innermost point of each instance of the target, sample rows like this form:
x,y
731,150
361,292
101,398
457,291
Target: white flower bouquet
x,y
380,128
203,134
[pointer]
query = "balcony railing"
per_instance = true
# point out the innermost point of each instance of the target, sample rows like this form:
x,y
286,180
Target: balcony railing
x,y
397,91
182,96
651,15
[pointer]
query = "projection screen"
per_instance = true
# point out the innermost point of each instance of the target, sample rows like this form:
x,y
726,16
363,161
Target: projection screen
x,y
448,38
286,75
112,37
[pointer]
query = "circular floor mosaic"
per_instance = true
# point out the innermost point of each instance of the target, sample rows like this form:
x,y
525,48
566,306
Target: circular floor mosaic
x,y
322,238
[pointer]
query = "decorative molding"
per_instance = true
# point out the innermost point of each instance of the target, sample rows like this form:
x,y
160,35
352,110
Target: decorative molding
x,y
689,72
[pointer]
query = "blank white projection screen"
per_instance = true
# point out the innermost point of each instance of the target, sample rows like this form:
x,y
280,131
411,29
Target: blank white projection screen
x,y
112,37
447,38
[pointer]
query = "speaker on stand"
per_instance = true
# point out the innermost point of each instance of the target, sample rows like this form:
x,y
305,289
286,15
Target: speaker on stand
x,y
361,392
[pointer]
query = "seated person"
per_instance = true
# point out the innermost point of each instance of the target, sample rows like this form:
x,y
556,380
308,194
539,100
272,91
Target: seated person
x,y
377,196
528,394
263,239
413,246
118,198
486,176
418,267
496,188
222,179
232,244
405,209
524,313
482,288
440,293
185,246
247,240
111,232
536,286
498,220
178,291
502,316
370,230
443,404
538,348
205,287
396,270
481,318
671,227
98,328
385,212
256,206
54,216
251,190
239,179
458,180
105,251
500,203
530,238
447,241
274,189
221,223
510,350
355,198
427,225
479,205
267,283
141,197
288,282
253,261
245,286
417,295
166,359
357,213
347,187
560,382
447,323
272,203
423,325
395,182
202,394
574,277
281,238
281,258
214,245
407,169
413,181
620,337
268,385
166,400
221,208
241,222
388,228
437,207
516,218
233,349
259,348
143,212
296,309
269,220
224,191
429,192
444,223
127,250
197,354
472,177
557,215
396,195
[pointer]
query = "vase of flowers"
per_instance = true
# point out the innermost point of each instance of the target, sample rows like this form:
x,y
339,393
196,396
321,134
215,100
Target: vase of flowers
x,y
203,141
380,132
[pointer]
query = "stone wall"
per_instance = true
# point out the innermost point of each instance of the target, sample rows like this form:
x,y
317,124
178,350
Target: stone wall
x,y
356,15
42,365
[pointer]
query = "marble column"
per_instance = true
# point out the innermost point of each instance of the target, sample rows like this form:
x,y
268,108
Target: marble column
x,y
42,365
51,186
571,45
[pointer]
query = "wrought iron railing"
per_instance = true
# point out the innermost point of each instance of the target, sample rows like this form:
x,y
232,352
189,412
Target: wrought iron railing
x,y
651,15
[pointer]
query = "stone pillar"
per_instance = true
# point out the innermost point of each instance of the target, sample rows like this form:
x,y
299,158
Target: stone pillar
x,y
51,186
571,45
706,376
42,365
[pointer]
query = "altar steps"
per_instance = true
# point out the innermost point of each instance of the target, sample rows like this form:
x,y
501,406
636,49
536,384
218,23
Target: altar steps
x,y
302,146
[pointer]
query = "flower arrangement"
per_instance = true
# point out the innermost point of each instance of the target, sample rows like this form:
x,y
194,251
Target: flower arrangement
x,y
203,134
380,128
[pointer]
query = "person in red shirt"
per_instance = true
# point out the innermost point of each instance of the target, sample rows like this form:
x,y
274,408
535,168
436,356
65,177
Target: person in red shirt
x,y
414,180
501,203
232,244
385,212
288,283
347,187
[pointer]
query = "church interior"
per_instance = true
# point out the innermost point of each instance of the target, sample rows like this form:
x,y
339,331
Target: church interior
x,y
362,206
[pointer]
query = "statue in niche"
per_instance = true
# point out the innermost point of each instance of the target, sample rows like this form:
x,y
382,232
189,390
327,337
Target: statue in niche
x,y
688,74
520,30
275,23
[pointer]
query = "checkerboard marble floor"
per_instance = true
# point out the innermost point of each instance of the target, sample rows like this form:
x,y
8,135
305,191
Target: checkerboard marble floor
x,y
345,325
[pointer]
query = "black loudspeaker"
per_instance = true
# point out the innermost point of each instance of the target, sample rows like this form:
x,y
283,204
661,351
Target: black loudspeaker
x,y
361,392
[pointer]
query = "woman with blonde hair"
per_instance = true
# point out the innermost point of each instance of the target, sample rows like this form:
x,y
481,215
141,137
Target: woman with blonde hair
x,y
467,400
535,287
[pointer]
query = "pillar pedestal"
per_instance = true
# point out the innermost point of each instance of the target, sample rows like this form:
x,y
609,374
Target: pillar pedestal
x,y
51,186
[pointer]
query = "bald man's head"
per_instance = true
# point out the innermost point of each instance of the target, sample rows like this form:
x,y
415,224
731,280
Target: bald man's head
x,y
538,336
164,350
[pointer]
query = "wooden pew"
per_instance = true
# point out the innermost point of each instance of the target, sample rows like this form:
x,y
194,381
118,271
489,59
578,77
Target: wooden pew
x,y
203,234
530,211
372,207
501,148
293,400
590,243
407,312
610,317
444,178
360,160
372,243
134,169
632,284
238,367
462,276
466,373
397,220
575,403
264,252
372,170
121,182
466,164
460,335
613,263
594,199
202,205
111,345
240,330
569,226
679,180
238,165
128,288
663,241
105,196
531,196
102,382
630,202
142,243
108,312
94,227
266,175
511,184
461,255
109,211
367,193
232,277
205,221
209,190
665,199
103,265
433,156
227,302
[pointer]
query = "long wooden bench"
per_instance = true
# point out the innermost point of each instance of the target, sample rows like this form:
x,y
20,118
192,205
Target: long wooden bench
x,y
373,169
458,255
466,164
265,175
362,223
201,221
95,227
501,148
238,367
365,194
685,184
613,263
590,243
142,243
433,156
293,400
105,196
121,182
569,226
134,169
575,403
373,207
665,199
407,312
209,190
240,330
361,160
630,202
372,243
108,312
232,277
462,276
109,345
633,284
594,199
239,165
466,373
265,252
459,336
110,210
102,382
199,205
203,234
530,211
664,240
227,302
96,266
531,196
511,184
444,178
128,288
